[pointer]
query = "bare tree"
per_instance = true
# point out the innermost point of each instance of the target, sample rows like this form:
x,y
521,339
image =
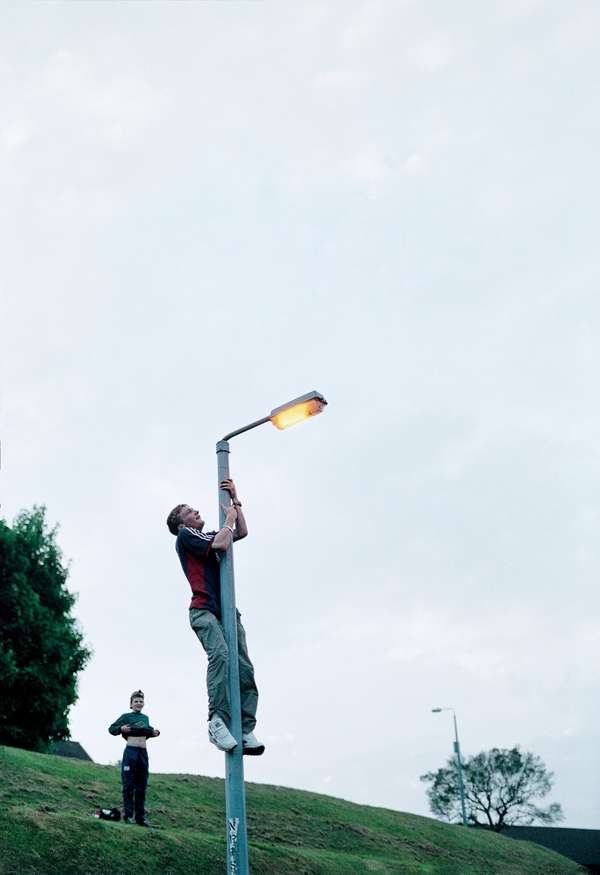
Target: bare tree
x,y
500,788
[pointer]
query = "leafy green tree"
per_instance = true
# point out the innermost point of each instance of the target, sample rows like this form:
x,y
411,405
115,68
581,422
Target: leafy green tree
x,y
41,648
500,786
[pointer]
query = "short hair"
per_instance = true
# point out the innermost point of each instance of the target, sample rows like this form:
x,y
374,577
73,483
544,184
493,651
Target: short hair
x,y
173,521
137,694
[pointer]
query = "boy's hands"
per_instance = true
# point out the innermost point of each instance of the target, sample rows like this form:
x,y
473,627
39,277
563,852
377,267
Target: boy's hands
x,y
237,519
229,486
126,729
234,518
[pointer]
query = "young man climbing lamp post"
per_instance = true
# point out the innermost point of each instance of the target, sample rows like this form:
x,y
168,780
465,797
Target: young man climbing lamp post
x,y
200,554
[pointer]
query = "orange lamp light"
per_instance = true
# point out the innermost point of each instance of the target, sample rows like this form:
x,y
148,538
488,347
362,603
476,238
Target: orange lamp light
x,y
297,410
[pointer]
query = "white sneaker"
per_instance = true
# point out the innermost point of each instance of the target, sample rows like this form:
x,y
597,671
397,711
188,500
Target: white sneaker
x,y
251,745
220,736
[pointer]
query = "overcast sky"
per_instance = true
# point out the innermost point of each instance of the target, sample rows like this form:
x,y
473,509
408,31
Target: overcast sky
x,y
210,208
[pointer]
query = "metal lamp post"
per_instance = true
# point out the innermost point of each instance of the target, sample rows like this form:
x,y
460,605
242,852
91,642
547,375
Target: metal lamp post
x,y
459,765
235,801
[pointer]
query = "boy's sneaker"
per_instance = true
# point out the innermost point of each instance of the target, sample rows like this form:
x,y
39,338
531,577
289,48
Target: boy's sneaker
x,y
220,736
128,820
252,746
143,822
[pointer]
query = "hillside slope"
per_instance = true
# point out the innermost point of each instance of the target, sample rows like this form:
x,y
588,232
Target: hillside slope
x,y
46,828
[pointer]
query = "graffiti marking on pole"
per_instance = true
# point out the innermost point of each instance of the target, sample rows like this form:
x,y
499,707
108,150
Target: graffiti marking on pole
x,y
234,823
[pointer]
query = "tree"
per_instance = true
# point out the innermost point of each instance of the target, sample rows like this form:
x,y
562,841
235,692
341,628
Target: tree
x,y
499,786
41,649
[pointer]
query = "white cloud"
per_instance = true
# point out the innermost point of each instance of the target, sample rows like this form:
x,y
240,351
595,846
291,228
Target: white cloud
x,y
343,80
119,101
115,134
362,26
415,164
16,135
367,167
520,8
432,54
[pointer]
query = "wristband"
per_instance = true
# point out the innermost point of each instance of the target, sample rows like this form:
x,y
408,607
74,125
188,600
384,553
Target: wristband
x,y
228,527
236,503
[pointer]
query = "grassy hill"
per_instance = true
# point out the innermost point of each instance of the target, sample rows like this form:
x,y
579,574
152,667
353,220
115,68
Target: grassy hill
x,y
46,828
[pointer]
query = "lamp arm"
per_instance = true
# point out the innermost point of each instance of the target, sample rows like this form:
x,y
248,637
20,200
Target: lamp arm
x,y
247,427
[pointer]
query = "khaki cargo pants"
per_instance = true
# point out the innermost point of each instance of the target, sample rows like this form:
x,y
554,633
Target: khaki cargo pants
x,y
210,632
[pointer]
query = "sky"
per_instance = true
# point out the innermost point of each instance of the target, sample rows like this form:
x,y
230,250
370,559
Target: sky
x,y
211,208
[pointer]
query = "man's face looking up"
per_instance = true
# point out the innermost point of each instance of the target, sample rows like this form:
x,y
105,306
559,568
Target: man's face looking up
x,y
190,517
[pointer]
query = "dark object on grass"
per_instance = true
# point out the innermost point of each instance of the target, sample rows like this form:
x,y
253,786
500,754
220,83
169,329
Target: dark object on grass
x,y
107,813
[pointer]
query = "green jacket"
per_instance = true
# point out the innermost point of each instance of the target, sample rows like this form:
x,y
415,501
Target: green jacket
x,y
140,725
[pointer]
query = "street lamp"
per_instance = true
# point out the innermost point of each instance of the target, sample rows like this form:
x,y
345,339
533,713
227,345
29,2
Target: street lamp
x,y
235,803
459,765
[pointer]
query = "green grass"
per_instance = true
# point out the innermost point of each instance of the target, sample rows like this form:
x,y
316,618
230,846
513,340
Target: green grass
x,y
46,828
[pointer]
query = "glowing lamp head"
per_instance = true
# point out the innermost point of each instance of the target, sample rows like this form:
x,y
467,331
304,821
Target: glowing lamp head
x,y
295,411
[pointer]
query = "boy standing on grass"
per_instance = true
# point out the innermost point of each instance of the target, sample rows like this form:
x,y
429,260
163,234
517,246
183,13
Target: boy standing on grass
x,y
135,729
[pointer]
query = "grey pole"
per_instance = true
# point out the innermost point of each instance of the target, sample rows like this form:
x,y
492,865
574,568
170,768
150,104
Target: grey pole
x,y
459,766
235,797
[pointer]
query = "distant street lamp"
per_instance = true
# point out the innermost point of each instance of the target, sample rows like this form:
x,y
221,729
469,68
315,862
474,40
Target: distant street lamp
x,y
235,802
459,765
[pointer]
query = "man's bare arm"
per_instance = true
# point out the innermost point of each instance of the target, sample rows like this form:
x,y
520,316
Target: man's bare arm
x,y
241,529
223,538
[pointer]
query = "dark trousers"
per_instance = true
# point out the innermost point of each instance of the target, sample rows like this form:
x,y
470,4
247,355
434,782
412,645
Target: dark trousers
x,y
134,775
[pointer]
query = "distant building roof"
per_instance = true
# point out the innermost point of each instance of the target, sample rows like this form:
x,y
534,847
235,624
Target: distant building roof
x,y
70,749
581,845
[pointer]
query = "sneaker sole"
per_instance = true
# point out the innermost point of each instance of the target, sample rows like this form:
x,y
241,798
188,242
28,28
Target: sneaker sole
x,y
220,746
224,749
254,751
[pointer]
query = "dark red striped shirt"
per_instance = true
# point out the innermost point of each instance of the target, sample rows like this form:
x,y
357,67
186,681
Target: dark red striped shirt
x,y
200,564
